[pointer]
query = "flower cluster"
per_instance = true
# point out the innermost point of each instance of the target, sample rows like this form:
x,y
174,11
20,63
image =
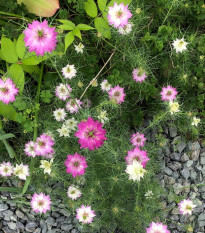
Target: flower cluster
x,y
67,127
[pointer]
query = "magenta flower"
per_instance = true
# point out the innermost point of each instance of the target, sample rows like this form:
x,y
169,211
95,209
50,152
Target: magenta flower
x,y
138,139
138,155
76,164
139,75
186,207
6,169
73,105
63,91
157,228
116,94
91,134
40,203
168,93
40,38
30,149
8,90
118,15
85,214
44,145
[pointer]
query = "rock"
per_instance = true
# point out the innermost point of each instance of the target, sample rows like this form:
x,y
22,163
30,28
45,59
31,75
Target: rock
x,y
175,156
189,163
31,225
184,157
19,214
175,211
8,213
20,226
13,218
177,188
43,226
195,155
202,160
172,131
169,180
64,212
193,175
12,225
201,217
194,146
3,207
185,173
175,175
75,231
50,221
168,171
38,230
203,171
66,227
7,230
181,146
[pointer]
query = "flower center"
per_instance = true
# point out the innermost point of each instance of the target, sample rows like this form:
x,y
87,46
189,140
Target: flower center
x,y
188,207
6,169
41,144
117,94
119,14
73,192
76,164
85,215
140,72
40,203
138,139
72,102
4,89
40,34
181,43
62,90
169,92
68,70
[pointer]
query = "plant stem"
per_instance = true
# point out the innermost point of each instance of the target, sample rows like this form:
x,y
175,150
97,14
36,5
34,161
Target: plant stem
x,y
14,15
32,163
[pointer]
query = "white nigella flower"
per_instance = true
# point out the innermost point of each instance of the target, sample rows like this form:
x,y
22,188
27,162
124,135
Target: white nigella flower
x,y
103,116
22,171
173,107
69,71
79,48
179,45
59,114
64,131
135,171
149,194
73,192
105,86
6,169
126,30
195,121
71,124
46,165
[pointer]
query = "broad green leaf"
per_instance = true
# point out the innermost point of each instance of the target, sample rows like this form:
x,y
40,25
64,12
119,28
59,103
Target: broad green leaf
x,y
8,111
43,8
102,27
16,73
67,22
9,149
69,38
6,136
20,46
77,33
33,59
91,8
31,69
84,27
125,2
1,56
102,4
65,27
8,50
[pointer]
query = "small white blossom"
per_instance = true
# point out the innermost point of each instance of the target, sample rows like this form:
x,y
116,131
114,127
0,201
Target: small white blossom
x,y
79,48
149,194
59,114
195,121
22,171
71,124
103,116
69,71
135,171
173,107
63,131
126,30
105,86
46,165
73,192
179,45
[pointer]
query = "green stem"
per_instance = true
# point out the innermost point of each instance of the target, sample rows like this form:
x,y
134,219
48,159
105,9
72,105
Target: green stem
x,y
14,15
167,13
32,163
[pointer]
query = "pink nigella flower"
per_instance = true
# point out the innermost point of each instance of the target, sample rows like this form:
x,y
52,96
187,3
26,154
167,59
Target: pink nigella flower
x,y
168,93
85,214
91,134
40,38
137,154
6,169
73,105
186,207
157,228
117,94
63,91
30,149
138,139
8,90
139,75
76,164
41,203
118,15
44,145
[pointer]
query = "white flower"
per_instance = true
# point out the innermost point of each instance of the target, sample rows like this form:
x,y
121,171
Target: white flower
x,y
6,169
186,207
135,171
73,192
63,131
46,165
126,30
59,114
173,107
63,91
105,86
103,116
179,45
79,48
69,71
22,171
195,121
149,194
71,124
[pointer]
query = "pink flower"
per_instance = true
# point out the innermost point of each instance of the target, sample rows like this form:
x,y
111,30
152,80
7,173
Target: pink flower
x,y
157,228
118,15
138,139
40,203
116,94
40,38
139,75
6,169
44,145
76,164
63,91
138,155
85,214
186,207
91,134
168,93
30,149
8,90
73,105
